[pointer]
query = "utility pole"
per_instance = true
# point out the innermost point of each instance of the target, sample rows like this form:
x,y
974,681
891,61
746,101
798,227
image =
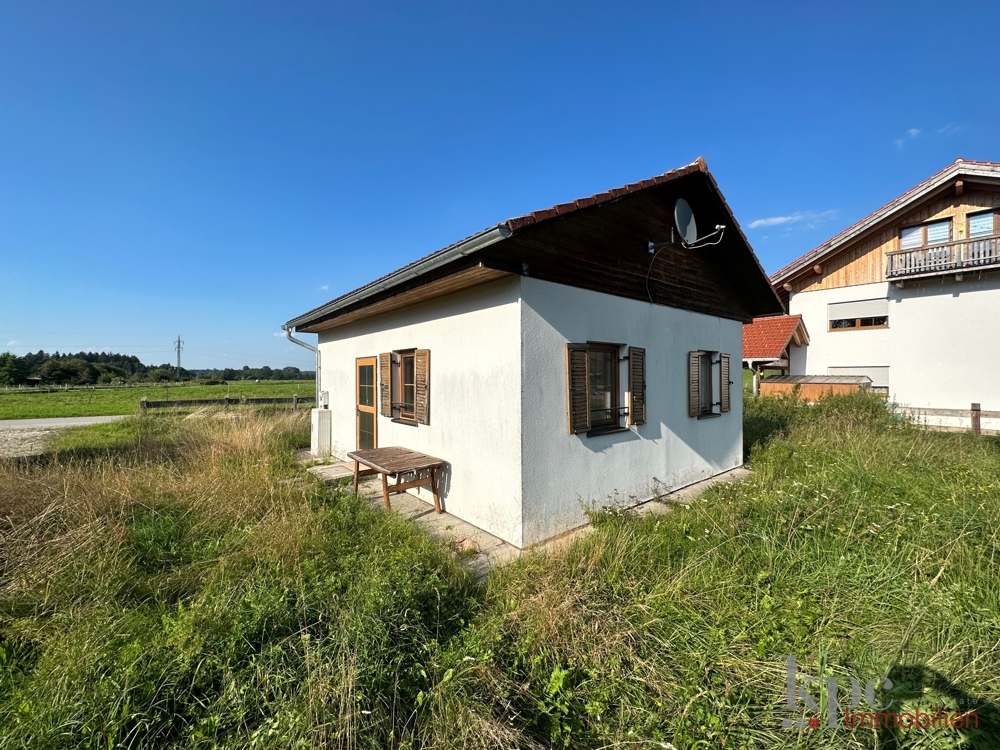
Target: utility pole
x,y
178,345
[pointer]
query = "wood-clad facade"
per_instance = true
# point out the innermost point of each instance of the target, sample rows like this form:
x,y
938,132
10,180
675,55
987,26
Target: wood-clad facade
x,y
903,296
865,260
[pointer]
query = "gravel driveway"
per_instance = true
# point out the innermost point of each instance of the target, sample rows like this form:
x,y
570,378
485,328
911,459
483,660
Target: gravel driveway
x,y
27,437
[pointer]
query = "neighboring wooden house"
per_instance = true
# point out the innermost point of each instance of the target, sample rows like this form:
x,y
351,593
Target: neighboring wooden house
x,y
767,343
910,295
553,360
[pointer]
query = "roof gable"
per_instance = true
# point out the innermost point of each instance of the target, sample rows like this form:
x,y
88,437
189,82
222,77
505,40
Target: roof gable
x,y
960,169
767,338
598,242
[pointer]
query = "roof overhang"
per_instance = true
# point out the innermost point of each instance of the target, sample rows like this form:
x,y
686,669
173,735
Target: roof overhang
x,y
943,180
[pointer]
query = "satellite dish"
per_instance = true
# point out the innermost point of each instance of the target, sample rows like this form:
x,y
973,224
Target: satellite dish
x,y
684,221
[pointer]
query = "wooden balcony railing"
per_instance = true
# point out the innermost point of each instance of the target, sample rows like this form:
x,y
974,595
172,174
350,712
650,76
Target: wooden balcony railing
x,y
947,257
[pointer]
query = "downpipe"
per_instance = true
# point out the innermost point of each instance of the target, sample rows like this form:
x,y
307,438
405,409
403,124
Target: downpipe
x,y
315,350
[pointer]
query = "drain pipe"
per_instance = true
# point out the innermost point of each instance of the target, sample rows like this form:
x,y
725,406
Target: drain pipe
x,y
310,347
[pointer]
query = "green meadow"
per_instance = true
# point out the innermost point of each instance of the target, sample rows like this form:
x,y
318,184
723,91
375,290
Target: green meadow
x,y
26,403
182,583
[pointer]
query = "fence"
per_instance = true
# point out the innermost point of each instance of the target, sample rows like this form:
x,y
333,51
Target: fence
x,y
974,414
145,405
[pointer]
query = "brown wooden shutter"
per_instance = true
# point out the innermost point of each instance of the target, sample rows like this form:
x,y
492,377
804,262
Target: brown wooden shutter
x,y
385,384
694,384
636,385
577,379
422,386
724,382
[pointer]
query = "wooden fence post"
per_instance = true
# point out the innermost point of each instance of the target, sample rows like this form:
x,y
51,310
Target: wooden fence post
x,y
976,414
295,401
225,403
142,406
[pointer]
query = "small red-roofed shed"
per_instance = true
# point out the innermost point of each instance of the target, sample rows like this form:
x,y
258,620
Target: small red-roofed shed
x,y
766,343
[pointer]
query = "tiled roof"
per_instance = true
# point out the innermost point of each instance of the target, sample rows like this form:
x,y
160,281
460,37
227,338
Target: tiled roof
x,y
518,222
767,338
953,170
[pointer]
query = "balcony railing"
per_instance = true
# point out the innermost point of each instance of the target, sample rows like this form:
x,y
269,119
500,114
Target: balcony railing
x,y
948,257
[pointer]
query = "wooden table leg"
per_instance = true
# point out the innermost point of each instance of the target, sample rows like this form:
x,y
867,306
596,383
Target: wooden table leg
x,y
356,477
434,490
385,492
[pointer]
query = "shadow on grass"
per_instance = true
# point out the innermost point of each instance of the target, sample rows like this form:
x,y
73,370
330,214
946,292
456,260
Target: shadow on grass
x,y
764,418
917,684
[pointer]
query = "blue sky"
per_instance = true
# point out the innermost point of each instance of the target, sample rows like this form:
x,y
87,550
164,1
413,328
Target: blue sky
x,y
212,169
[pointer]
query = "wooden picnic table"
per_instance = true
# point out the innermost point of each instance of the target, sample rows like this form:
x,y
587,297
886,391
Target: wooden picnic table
x,y
397,462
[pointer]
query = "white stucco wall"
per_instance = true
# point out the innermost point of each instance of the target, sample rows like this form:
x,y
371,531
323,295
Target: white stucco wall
x,y
941,345
844,348
474,338
562,472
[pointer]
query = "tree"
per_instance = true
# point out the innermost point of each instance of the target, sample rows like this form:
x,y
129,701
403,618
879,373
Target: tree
x,y
13,370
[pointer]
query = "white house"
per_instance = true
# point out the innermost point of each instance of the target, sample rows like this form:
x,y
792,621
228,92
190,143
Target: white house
x,y
910,297
554,360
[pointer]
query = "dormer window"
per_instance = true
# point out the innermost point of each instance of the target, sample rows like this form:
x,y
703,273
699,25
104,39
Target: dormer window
x,y
927,234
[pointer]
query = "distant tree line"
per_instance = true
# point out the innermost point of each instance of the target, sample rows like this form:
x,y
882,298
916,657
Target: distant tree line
x,y
87,368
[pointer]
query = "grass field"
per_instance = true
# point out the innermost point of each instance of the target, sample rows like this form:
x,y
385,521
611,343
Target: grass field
x,y
26,404
181,583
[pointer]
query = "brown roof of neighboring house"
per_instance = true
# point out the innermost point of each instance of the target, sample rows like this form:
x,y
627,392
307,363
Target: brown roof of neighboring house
x,y
507,228
960,167
767,338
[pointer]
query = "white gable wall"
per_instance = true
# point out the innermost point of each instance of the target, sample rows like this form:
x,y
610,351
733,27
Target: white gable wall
x,y
564,472
940,346
844,348
475,345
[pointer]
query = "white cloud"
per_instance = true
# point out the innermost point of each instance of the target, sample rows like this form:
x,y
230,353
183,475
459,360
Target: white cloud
x,y
14,342
279,333
324,287
805,219
910,135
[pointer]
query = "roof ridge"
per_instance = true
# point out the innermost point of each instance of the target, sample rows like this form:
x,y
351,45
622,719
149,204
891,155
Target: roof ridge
x,y
955,166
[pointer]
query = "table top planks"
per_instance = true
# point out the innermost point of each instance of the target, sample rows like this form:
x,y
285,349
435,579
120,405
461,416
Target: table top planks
x,y
395,460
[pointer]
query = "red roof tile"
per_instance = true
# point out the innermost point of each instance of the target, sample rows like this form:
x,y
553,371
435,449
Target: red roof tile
x,y
767,338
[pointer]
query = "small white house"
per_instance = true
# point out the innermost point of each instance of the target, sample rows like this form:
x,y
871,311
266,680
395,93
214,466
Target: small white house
x,y
910,296
555,360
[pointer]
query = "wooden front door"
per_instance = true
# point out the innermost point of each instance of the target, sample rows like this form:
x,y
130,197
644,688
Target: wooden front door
x,y
367,432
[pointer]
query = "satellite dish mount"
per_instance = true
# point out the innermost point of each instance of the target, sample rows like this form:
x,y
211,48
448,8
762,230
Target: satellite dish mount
x,y
687,227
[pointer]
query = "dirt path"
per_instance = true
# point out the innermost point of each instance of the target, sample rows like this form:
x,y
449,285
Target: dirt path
x,y
27,437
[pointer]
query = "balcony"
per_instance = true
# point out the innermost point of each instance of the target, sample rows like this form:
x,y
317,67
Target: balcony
x,y
948,257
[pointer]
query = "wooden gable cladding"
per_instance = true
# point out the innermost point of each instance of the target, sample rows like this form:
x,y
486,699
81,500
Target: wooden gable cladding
x,y
864,261
605,249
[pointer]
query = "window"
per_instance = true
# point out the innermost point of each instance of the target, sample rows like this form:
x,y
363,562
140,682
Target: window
x,y
869,313
407,385
927,234
981,225
603,385
404,385
595,392
703,368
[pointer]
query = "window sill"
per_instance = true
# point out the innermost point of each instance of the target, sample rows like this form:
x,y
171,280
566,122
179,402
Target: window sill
x,y
606,430
410,422
709,415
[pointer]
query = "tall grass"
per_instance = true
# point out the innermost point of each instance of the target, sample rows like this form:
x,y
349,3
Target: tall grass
x,y
187,586
182,584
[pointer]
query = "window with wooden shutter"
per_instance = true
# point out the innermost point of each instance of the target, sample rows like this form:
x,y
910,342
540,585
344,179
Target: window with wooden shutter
x,y
694,384
578,379
636,385
422,386
385,384
724,383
